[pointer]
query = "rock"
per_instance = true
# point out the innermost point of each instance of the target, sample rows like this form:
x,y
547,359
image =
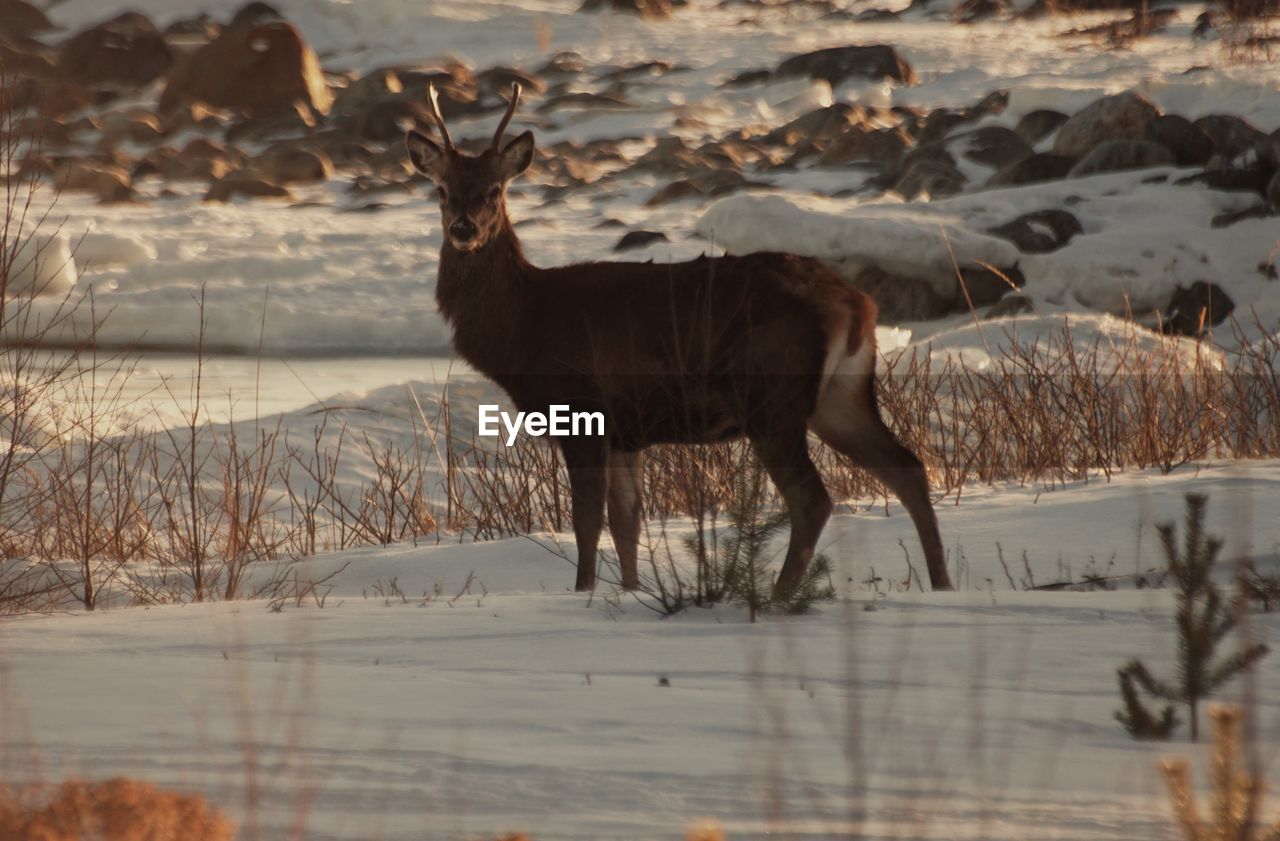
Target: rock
x,y
199,160
670,155
1124,116
30,60
243,184
1253,178
861,144
384,120
296,120
255,68
972,11
639,239
497,81
366,91
987,284
1042,166
135,125
126,50
940,123
293,165
563,64
819,125
582,100
1037,125
704,185
899,298
1232,136
193,115
20,19
747,77
1041,231
993,146
110,183
1194,309
929,176
201,27
1009,305
1268,150
1231,217
837,64
1190,144
1117,155
642,8
64,98
254,13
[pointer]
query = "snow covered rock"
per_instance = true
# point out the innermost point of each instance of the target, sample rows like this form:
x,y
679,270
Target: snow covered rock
x,y
1124,116
1190,144
106,181
101,249
1040,231
1035,126
858,61
1042,166
1232,136
126,50
1117,155
42,265
643,8
258,68
1195,309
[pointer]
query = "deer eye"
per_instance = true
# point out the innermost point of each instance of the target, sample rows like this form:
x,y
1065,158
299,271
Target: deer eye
x,y
494,191
442,194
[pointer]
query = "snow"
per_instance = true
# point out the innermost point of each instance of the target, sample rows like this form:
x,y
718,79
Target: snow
x,y
515,704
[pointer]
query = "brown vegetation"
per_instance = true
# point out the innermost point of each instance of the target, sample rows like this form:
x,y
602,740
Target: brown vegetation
x,y
119,809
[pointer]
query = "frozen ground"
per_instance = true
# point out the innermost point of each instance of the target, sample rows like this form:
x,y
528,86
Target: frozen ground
x,y
983,714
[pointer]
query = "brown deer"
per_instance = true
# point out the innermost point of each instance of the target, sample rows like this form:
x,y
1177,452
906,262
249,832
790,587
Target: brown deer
x,y
767,346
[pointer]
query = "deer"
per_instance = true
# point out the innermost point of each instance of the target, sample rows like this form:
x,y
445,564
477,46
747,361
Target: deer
x,y
766,346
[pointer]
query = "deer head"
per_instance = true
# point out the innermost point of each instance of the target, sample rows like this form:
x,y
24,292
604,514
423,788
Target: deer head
x,y
471,188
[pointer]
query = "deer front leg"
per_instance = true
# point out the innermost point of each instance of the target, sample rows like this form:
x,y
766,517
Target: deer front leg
x,y
786,458
626,506
587,485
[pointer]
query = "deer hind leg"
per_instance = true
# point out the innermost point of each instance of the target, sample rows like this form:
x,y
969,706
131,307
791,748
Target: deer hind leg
x,y
588,482
786,458
626,482
848,420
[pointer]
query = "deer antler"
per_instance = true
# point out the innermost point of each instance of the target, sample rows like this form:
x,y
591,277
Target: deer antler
x,y
506,118
434,99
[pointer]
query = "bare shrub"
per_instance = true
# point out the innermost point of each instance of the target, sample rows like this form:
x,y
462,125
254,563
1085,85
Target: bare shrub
x,y
119,809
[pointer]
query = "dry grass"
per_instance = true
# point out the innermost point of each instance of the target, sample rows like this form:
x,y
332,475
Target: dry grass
x,y
119,809
191,514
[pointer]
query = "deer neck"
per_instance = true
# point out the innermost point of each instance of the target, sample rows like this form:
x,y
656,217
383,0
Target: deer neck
x,y
482,293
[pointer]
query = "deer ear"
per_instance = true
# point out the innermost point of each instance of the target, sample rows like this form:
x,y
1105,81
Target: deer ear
x,y
516,158
427,157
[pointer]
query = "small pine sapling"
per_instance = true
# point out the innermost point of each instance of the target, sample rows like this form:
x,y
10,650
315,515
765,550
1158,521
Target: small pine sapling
x,y
737,569
1204,619
1136,718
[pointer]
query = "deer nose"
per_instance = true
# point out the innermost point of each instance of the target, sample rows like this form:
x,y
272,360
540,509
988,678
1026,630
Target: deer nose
x,y
462,230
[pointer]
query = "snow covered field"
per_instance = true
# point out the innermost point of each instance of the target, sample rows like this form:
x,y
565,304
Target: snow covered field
x,y
514,704
461,689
